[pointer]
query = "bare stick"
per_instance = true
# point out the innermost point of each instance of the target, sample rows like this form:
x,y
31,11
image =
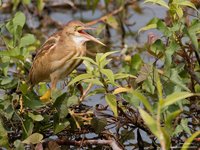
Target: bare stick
x,y
85,92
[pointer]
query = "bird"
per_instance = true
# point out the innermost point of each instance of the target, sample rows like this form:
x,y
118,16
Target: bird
x,y
57,57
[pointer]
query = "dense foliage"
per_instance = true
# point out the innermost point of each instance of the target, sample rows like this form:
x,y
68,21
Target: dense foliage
x,y
157,99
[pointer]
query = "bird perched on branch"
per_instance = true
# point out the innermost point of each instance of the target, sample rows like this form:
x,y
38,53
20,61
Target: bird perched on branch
x,y
57,57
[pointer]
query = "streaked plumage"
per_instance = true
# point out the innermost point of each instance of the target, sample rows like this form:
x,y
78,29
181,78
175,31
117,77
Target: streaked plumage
x,y
56,57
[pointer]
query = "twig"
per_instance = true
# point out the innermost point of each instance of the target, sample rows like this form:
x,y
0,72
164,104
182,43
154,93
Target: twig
x,y
193,75
103,18
111,142
85,92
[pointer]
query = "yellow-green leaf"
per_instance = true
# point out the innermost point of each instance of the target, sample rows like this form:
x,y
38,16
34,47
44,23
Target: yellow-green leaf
x,y
143,99
189,140
121,90
33,139
80,77
148,27
111,101
35,117
109,74
149,121
111,20
175,97
159,2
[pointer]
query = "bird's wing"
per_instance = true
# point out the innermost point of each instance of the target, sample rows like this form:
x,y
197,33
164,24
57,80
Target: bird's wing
x,y
48,45
41,69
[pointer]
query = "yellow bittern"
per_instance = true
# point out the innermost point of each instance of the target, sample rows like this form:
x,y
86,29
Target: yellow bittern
x,y
57,56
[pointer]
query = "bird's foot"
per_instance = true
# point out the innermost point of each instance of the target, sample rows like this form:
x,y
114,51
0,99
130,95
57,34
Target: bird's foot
x,y
46,97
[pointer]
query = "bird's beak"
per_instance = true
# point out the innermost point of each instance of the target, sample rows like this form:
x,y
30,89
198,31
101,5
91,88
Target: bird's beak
x,y
90,37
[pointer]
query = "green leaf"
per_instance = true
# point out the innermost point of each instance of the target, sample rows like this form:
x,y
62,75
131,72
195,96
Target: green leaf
x,y
192,31
189,140
28,127
89,66
80,77
111,20
6,80
150,122
159,2
93,81
158,46
31,100
26,40
63,103
35,117
88,59
178,130
109,74
136,63
3,135
176,79
98,124
163,28
184,124
73,100
143,99
19,145
167,138
170,50
33,139
60,126
148,85
175,97
106,54
112,102
123,75
169,119
19,19
40,5
26,2
185,3
148,27
159,86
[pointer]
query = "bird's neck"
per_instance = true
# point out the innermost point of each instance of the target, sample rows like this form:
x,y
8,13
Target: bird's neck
x,y
79,40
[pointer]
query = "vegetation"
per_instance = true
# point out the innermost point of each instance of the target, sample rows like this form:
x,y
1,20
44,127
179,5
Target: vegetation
x,y
157,99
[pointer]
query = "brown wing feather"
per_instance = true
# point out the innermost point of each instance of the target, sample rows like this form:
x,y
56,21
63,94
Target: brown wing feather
x,y
40,70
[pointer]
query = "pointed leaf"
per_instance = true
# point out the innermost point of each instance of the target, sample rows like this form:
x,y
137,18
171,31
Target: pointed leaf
x,y
88,59
149,121
94,81
121,90
80,77
175,97
159,2
189,140
143,99
109,74
106,54
112,102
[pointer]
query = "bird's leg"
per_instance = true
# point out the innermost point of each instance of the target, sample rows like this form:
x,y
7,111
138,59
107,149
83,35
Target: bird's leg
x,y
46,97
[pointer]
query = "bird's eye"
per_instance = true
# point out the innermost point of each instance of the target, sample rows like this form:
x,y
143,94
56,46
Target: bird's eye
x,y
77,28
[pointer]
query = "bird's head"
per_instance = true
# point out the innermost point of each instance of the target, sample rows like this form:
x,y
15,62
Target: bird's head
x,y
78,32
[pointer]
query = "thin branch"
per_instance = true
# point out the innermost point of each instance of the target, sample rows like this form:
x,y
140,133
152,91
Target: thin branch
x,y
115,12
111,142
85,92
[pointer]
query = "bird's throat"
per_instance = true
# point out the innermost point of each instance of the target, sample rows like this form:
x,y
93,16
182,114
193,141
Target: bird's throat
x,y
79,40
